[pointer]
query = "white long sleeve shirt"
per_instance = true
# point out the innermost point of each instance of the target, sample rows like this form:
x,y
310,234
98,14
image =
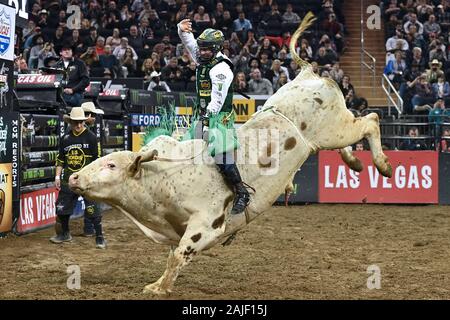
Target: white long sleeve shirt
x,y
221,74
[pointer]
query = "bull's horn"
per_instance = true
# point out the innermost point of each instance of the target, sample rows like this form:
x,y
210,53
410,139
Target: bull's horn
x,y
306,23
135,167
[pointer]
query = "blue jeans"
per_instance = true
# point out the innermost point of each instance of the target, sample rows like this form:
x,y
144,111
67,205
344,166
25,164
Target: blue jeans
x,y
73,100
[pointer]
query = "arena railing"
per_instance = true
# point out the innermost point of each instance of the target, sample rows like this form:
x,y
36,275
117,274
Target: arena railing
x,y
389,88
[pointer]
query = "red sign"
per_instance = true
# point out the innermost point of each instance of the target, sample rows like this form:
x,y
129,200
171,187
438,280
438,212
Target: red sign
x,y
37,209
414,178
110,93
36,79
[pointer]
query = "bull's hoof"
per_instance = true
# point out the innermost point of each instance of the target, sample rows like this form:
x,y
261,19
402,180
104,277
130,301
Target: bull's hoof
x,y
155,288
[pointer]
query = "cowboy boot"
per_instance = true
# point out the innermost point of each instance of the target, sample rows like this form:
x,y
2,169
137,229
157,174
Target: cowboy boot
x,y
241,195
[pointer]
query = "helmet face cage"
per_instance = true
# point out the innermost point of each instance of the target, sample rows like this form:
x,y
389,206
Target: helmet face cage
x,y
210,39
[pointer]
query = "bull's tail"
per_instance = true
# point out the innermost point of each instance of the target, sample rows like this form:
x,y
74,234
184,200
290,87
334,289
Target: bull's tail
x,y
308,20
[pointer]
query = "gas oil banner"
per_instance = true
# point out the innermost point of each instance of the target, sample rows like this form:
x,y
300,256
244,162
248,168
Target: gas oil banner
x,y
414,178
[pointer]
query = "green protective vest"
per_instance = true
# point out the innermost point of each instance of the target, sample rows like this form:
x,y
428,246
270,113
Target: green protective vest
x,y
204,87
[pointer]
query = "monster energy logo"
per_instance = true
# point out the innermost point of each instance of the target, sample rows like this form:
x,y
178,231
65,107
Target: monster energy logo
x,y
52,141
38,173
119,126
52,122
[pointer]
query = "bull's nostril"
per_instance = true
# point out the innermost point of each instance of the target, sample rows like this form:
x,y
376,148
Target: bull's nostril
x,y
74,176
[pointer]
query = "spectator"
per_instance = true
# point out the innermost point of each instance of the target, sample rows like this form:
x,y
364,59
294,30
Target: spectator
x,y
259,85
290,17
182,12
128,62
100,46
225,24
434,72
265,62
423,95
235,43
34,52
335,29
255,15
43,19
315,68
272,20
413,21
156,24
189,72
202,17
77,77
58,38
168,73
241,61
89,57
108,61
46,52
431,26
444,145
441,89
147,68
156,84
119,51
395,43
240,83
355,103
359,146
346,86
417,58
439,113
395,69
217,13
336,73
92,39
437,51
304,45
163,45
323,59
251,43
391,26
241,24
21,65
293,70
282,80
411,143
185,59
275,72
266,47
114,40
126,18
135,39
283,57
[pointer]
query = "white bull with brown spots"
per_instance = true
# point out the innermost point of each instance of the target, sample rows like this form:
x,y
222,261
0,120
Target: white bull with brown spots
x,y
177,199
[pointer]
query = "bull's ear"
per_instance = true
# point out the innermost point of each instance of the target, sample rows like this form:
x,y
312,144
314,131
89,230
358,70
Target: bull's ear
x,y
135,167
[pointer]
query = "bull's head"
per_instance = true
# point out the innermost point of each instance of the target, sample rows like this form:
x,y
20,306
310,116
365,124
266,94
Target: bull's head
x,y
104,178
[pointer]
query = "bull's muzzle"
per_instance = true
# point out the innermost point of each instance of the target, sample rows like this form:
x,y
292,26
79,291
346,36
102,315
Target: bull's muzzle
x,y
74,183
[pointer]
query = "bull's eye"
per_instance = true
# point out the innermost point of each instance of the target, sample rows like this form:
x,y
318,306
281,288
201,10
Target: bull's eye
x,y
111,165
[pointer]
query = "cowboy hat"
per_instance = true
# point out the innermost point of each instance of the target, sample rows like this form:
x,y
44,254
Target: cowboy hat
x,y
436,61
90,107
155,74
76,114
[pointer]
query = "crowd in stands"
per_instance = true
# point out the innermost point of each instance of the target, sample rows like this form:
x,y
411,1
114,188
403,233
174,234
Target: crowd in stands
x,y
417,56
138,38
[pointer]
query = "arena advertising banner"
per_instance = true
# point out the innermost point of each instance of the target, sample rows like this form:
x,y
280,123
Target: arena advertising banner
x,y
5,197
19,11
37,210
414,179
7,32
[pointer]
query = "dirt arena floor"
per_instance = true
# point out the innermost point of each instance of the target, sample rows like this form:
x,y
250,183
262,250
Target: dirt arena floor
x,y
300,252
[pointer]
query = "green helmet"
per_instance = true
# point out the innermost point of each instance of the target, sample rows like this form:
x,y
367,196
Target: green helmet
x,y
211,39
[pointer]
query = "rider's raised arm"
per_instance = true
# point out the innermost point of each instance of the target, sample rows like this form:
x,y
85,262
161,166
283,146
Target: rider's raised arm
x,y
189,42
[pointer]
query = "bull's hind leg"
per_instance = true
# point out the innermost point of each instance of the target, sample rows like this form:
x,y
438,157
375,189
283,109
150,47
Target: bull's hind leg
x,y
349,158
197,237
372,134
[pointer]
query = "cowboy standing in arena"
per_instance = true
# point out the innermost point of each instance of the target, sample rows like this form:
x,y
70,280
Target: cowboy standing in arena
x,y
214,77
90,111
77,149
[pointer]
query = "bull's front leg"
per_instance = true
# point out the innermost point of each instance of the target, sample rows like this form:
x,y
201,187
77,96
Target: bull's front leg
x,y
199,234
